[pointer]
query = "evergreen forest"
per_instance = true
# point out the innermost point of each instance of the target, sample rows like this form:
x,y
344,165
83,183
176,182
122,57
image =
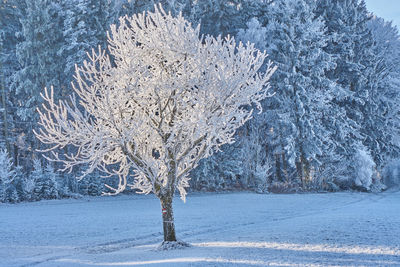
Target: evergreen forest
x,y
332,121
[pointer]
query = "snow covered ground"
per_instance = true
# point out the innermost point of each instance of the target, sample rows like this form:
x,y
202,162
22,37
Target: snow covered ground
x,y
240,229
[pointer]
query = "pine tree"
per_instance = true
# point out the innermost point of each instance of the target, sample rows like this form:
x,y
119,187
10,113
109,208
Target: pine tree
x,y
36,176
365,168
351,46
84,27
254,144
12,194
24,185
9,25
295,40
37,54
218,16
7,175
10,12
40,66
222,171
91,185
381,122
49,183
78,34
45,182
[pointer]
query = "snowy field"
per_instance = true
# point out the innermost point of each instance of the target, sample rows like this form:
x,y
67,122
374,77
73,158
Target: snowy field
x,y
232,229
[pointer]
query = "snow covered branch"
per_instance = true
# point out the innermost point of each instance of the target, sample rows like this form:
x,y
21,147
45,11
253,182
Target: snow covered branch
x,y
169,99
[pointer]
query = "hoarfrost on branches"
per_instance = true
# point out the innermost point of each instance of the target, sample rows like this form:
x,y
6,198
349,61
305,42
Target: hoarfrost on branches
x,y
168,99
364,166
7,174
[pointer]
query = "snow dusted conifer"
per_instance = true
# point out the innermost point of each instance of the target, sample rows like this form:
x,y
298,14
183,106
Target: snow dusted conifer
x,y
49,183
169,99
27,185
351,46
44,182
35,176
295,40
85,24
37,55
218,16
382,123
365,167
6,174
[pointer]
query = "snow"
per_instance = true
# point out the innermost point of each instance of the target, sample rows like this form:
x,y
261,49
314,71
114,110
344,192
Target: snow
x,y
240,229
168,99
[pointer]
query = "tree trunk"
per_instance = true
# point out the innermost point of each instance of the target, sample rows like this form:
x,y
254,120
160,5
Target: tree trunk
x,y
3,101
304,170
285,167
168,218
278,166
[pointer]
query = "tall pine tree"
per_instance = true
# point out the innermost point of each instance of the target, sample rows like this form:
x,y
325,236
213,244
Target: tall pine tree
x,y
40,65
351,46
294,38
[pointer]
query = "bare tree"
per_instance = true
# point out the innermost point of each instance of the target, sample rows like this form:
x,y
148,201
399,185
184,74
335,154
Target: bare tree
x,y
169,99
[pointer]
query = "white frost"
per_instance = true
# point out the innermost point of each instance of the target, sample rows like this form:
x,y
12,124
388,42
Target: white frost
x,y
169,99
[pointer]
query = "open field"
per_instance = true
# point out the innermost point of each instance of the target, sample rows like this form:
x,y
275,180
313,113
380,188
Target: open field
x,y
242,229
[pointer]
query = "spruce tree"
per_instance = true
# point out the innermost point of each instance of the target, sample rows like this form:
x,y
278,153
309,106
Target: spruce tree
x,y
218,16
50,186
294,38
40,66
7,175
381,122
10,13
36,176
351,46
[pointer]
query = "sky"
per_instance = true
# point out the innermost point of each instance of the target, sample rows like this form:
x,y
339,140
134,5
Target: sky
x,y
387,9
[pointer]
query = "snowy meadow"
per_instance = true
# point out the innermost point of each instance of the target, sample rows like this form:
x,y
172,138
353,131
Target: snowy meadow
x,y
228,229
276,123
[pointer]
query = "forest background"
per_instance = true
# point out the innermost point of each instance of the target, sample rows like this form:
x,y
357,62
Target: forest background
x,y
332,124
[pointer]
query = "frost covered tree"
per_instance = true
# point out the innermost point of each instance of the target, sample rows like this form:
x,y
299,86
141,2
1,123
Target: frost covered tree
x,y
217,16
224,17
25,185
48,183
381,122
79,32
37,54
256,162
36,175
40,66
44,181
351,46
91,185
9,25
365,168
169,99
294,38
7,174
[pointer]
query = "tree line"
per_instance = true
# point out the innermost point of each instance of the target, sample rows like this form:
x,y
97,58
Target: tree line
x,y
331,123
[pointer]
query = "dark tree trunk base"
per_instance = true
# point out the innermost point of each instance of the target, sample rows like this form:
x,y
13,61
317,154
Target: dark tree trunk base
x,y
168,219
171,245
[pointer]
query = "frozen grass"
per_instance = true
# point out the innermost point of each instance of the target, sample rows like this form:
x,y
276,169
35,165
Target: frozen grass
x,y
239,229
